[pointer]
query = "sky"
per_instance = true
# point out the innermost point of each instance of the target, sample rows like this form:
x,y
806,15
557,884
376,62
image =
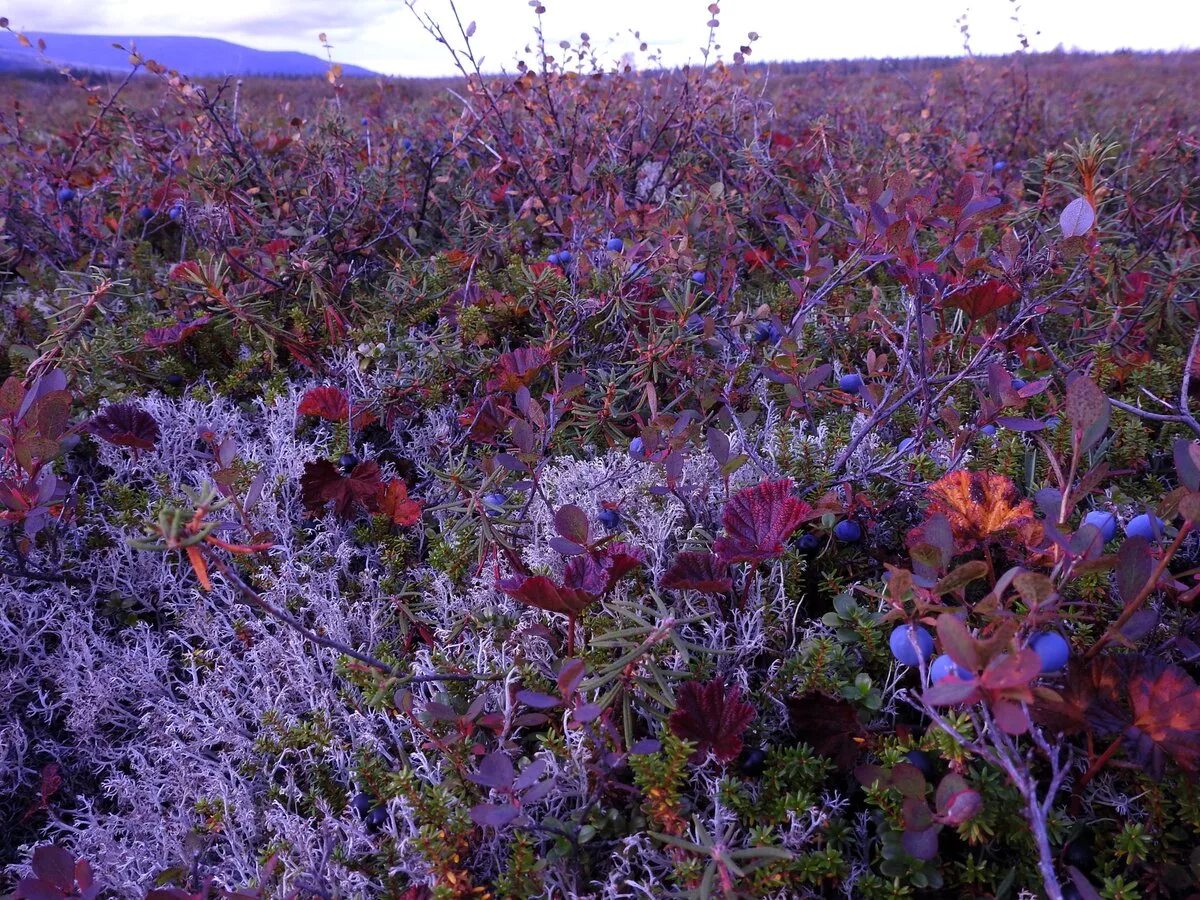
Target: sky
x,y
384,35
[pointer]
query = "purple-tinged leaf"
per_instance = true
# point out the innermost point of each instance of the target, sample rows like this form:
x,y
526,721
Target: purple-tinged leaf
x,y
571,523
694,571
493,815
538,700
54,864
1077,218
920,844
529,775
1018,423
1088,411
758,520
1134,567
495,771
565,547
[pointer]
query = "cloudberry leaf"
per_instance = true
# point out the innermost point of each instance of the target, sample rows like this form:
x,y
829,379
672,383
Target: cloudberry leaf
x,y
693,571
712,715
758,520
125,425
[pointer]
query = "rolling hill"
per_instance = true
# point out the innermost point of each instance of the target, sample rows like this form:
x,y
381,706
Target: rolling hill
x,y
196,56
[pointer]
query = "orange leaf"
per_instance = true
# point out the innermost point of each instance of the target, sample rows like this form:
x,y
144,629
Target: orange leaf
x,y
981,506
196,558
396,505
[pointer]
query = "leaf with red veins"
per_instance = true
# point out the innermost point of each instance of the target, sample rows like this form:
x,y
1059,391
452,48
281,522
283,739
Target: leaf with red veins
x,y
758,520
125,425
713,716
323,483
703,572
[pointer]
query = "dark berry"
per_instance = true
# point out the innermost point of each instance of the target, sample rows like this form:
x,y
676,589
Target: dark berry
x,y
1070,892
609,518
347,461
175,380
765,333
1079,853
66,195
807,543
753,762
377,817
362,804
923,761
615,245
146,213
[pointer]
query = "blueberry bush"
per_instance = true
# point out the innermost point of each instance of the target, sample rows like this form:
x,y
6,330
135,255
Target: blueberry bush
x,y
602,480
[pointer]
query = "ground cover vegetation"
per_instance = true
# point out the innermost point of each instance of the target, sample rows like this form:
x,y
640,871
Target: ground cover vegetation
x,y
741,481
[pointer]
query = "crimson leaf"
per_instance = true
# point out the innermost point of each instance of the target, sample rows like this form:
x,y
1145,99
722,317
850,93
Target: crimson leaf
x,y
712,715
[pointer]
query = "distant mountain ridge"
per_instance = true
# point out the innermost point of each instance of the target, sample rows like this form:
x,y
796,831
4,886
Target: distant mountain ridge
x,y
193,56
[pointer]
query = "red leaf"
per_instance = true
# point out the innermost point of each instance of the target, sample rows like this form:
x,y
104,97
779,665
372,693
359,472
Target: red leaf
x,y
125,425
323,483
983,299
330,403
713,716
758,520
394,503
1166,716
518,368
704,572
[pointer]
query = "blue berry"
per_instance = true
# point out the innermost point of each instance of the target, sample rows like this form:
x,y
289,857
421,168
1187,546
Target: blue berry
x,y
902,639
553,259
365,121
377,818
494,500
989,430
924,762
1104,522
347,461
146,213
766,332
1052,422
175,380
176,212
807,543
637,448
362,804
564,257
615,245
944,667
699,278
609,518
1053,650
1147,525
999,165
1017,384
851,383
848,531
66,195
753,762
406,143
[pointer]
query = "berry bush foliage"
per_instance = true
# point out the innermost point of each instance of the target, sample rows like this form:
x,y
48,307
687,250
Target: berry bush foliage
x,y
591,482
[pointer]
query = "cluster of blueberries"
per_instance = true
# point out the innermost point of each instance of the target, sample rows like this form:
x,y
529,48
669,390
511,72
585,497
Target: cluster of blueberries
x,y
617,245
911,644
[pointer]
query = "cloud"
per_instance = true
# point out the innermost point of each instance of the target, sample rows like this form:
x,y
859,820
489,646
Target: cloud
x,y
385,36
